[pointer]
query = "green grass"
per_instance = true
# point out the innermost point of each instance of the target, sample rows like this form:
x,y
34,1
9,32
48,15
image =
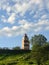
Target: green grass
x,y
17,59
14,59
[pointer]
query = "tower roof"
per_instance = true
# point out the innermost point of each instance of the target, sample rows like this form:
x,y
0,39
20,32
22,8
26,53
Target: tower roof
x,y
25,35
26,38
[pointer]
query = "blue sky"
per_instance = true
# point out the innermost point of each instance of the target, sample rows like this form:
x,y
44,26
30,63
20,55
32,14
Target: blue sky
x,y
18,17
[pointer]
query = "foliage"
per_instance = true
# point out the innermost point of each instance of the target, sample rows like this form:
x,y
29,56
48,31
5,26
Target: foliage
x,y
38,39
16,48
40,52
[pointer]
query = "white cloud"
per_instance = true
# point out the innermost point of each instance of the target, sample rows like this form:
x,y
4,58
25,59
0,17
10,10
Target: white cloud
x,y
35,1
9,35
3,19
22,22
11,19
22,7
14,28
38,29
8,9
47,28
6,29
24,28
25,24
37,12
44,16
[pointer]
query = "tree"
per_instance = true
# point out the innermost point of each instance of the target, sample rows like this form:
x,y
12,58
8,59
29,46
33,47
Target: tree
x,y
38,39
16,48
38,50
45,50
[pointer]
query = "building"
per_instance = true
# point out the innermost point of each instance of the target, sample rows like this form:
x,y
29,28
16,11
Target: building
x,y
25,42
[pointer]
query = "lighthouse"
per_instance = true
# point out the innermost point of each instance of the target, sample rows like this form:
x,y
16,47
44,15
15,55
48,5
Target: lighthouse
x,y
25,42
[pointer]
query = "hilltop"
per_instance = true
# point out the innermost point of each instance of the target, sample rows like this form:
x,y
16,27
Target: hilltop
x,y
14,57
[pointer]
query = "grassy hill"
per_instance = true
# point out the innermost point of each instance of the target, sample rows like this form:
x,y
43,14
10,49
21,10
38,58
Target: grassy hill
x,y
16,57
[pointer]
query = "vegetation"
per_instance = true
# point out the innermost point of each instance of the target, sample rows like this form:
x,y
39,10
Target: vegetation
x,y
16,48
40,49
39,55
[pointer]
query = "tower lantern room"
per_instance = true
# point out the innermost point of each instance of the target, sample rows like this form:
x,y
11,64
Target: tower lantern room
x,y
25,42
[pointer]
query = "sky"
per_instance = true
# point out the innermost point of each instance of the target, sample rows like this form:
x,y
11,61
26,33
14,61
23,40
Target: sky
x,y
18,17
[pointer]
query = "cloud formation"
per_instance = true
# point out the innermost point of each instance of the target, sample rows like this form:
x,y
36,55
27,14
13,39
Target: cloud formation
x,y
24,28
24,16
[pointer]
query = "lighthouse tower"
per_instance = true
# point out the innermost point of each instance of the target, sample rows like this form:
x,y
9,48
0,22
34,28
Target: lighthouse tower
x,y
25,42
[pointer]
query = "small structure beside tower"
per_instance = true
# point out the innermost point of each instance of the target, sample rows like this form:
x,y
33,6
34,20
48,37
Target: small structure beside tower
x,y
25,42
